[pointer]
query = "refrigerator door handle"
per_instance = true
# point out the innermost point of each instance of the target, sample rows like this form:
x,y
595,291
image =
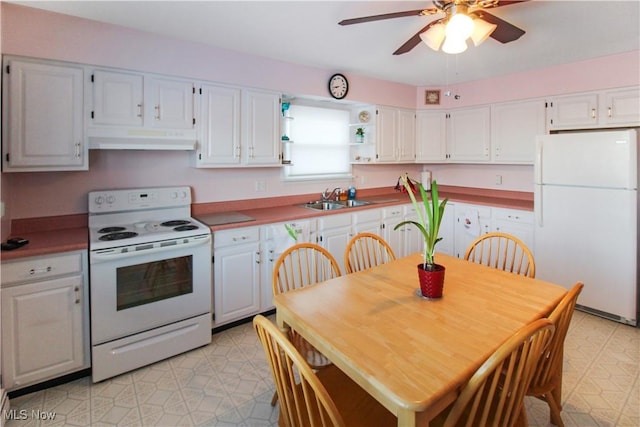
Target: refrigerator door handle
x,y
537,173
537,204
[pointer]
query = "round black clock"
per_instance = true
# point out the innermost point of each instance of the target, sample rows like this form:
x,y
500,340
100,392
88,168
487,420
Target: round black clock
x,y
338,86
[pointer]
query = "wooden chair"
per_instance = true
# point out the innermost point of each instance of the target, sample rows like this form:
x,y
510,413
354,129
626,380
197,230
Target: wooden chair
x,y
502,251
548,375
495,393
302,265
366,250
326,398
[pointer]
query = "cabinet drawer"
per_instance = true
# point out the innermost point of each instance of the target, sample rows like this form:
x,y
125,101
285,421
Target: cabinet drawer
x,y
334,221
514,215
236,236
370,215
36,268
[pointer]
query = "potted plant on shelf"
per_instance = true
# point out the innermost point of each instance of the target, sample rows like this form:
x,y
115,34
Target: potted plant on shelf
x,y
430,274
360,135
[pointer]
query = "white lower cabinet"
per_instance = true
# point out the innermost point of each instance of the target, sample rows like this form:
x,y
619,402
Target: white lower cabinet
x,y
391,217
516,222
275,240
45,323
447,231
236,274
367,221
334,232
470,222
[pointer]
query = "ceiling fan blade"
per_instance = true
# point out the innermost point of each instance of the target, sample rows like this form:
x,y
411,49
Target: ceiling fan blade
x,y
508,2
505,32
418,12
414,41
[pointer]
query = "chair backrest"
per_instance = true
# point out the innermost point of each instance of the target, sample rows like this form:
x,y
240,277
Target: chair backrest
x,y
303,399
502,251
495,393
545,377
366,250
301,265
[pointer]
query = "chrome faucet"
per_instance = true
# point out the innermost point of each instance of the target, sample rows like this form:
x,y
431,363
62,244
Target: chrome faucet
x,y
335,193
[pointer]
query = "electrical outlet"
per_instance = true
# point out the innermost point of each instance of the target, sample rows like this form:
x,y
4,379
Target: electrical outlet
x,y
261,186
1,209
363,180
498,179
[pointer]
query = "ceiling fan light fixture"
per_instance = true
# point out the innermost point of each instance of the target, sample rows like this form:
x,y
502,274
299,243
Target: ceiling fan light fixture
x,y
454,45
481,31
434,36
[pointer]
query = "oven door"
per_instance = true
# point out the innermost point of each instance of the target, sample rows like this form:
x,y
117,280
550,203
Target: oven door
x,y
143,289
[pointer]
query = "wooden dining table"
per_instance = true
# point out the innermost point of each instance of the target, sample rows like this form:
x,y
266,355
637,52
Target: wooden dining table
x,y
411,354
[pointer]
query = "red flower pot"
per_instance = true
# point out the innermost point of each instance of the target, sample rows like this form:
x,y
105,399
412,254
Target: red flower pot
x,y
431,281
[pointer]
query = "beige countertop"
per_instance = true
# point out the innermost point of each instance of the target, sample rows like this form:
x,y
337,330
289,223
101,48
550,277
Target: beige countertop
x,y
50,235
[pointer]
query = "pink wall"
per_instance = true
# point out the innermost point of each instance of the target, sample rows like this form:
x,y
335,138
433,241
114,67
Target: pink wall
x,y
600,73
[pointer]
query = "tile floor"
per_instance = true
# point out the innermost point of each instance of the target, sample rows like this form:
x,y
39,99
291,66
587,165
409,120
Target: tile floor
x,y
228,383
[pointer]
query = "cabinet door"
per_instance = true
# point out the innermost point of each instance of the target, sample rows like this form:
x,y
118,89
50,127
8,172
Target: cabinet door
x,y
392,216
406,138
471,222
573,111
118,98
334,232
220,126
42,330
236,282
386,134
171,103
621,107
447,231
430,136
514,127
413,240
468,135
44,128
515,222
263,123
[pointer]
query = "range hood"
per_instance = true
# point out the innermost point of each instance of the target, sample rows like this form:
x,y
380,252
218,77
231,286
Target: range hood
x,y
141,139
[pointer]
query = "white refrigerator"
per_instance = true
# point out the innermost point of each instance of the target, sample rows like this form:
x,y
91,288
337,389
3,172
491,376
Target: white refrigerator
x,y
586,216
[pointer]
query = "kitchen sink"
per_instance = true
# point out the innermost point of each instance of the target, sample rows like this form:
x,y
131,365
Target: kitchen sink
x,y
353,203
323,206
328,205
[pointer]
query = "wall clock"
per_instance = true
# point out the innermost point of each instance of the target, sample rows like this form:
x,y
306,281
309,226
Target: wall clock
x,y
338,86
432,97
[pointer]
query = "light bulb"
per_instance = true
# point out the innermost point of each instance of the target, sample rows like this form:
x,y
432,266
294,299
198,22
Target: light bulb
x,y
460,26
481,30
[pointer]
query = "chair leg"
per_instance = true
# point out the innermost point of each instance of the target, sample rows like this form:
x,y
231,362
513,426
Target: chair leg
x,y
274,399
554,409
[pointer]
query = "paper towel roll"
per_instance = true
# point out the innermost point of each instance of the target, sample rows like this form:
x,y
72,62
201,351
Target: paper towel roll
x,y
425,178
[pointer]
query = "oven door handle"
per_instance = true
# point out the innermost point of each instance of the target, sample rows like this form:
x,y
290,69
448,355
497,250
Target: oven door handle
x,y
144,249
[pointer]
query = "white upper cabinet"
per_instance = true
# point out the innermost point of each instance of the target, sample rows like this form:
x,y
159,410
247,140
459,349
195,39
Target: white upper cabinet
x,y
219,140
514,127
395,135
263,128
43,127
118,98
431,143
610,108
468,135
128,109
238,128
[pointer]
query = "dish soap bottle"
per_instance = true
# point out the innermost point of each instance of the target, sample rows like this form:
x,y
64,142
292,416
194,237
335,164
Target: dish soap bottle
x,y
351,193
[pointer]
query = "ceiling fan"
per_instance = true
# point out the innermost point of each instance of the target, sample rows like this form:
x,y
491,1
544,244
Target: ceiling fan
x,y
503,31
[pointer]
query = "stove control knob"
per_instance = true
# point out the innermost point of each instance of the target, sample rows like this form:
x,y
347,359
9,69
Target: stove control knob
x,y
174,195
99,200
110,199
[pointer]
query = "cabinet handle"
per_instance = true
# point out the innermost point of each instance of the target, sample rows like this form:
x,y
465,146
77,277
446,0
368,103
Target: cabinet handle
x,y
35,271
258,257
78,150
237,151
157,108
139,110
593,113
235,239
77,291
609,113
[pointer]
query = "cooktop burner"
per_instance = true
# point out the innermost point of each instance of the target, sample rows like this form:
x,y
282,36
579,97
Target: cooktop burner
x,y
186,227
176,222
111,229
118,235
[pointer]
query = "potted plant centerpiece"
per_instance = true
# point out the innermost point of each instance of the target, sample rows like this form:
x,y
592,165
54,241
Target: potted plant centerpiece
x,y
360,135
430,274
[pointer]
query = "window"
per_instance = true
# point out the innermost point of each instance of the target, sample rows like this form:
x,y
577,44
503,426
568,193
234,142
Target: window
x,y
320,147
